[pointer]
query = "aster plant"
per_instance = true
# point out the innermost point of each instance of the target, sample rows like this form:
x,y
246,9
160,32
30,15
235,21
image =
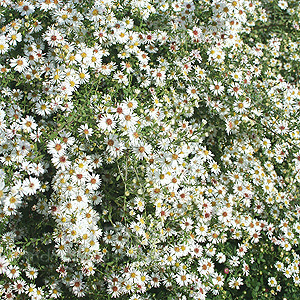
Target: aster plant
x,y
149,149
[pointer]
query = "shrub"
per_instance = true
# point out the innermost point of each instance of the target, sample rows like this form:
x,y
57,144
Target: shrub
x,y
149,149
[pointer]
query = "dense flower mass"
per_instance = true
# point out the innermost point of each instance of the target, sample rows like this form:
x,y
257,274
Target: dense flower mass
x,y
149,149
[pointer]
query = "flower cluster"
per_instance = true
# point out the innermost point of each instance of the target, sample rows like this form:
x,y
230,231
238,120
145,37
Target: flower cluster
x,y
149,149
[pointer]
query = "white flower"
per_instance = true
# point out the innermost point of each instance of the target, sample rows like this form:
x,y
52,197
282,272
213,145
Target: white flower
x,y
186,224
218,279
31,185
279,266
86,131
4,263
235,283
12,201
12,272
272,282
183,279
235,90
3,45
221,257
61,161
93,181
216,87
56,147
234,261
128,120
283,4
79,176
42,108
19,63
142,150
107,122
53,37
25,8
83,75
19,286
121,77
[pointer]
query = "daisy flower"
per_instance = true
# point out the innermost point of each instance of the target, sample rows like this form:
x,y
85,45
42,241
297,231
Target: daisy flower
x,y
221,258
31,185
128,120
197,250
127,67
111,141
12,272
218,279
19,64
25,8
54,292
235,90
101,35
96,161
115,290
272,282
3,45
53,37
79,176
107,122
83,75
283,4
12,202
67,138
142,150
19,286
192,91
86,131
235,283
241,106
39,294
130,104
217,88
121,77
14,37
42,108
121,35
56,147
182,278
61,161
159,76
76,283
93,181
117,150
4,263
155,280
